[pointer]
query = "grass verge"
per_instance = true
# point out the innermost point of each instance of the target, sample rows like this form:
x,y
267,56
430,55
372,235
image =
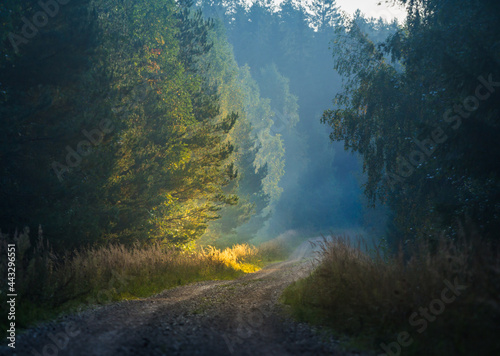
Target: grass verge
x,y
48,285
431,298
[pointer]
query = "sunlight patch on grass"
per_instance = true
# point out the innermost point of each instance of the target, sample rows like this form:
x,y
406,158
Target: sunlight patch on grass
x,y
48,285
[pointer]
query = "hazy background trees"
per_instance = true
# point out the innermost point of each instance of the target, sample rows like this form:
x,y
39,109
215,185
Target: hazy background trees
x,y
156,121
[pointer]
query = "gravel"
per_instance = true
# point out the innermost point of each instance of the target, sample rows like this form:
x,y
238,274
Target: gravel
x,y
238,317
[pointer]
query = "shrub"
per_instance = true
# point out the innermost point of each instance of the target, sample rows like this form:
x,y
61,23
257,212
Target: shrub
x,y
370,296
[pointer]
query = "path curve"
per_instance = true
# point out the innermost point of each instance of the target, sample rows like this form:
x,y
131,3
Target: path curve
x,y
238,317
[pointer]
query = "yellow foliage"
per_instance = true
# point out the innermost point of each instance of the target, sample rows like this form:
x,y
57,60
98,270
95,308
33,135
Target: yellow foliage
x,y
242,257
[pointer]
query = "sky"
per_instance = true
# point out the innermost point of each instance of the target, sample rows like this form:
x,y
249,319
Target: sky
x,y
371,9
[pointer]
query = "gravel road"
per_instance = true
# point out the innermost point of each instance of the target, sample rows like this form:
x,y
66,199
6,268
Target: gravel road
x,y
238,317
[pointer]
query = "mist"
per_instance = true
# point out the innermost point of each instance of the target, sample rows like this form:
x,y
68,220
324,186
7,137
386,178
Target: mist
x,y
288,52
250,177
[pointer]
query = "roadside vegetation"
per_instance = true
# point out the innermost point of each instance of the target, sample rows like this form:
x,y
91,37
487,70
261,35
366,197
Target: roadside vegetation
x,y
49,284
439,297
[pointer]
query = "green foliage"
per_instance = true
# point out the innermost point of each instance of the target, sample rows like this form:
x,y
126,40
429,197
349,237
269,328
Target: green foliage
x,y
110,131
290,63
259,154
367,297
403,109
325,14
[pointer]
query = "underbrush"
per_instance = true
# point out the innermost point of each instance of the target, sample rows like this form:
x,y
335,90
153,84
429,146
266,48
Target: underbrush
x,y
280,248
48,284
430,298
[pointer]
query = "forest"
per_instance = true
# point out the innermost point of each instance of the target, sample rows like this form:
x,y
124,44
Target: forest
x,y
175,142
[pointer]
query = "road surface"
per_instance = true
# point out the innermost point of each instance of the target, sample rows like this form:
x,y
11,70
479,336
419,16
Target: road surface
x,y
238,317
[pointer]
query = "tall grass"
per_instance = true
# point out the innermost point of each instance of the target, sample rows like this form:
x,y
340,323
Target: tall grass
x,y
48,284
239,257
369,296
279,248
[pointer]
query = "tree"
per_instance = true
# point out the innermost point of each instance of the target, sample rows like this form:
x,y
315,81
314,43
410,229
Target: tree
x,y
111,133
325,14
407,116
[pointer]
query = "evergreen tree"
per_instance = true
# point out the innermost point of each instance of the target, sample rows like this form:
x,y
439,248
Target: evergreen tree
x,y
109,129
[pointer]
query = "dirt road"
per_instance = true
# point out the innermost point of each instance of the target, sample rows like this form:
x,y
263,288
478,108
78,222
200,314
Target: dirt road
x,y
239,317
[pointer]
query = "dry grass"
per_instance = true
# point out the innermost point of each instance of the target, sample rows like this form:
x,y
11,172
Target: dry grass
x,y
370,295
278,249
242,257
48,284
